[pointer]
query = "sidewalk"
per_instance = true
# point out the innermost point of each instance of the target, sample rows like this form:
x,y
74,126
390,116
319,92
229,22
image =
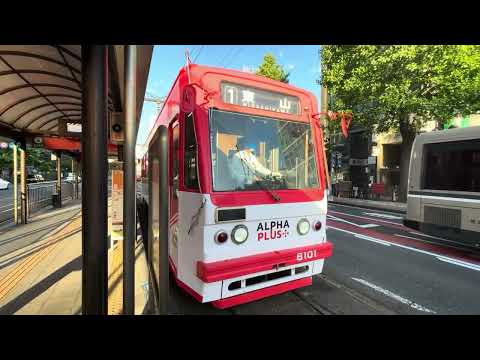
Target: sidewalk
x,y
43,276
371,204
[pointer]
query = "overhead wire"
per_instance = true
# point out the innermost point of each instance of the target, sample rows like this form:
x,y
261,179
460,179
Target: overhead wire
x,y
198,53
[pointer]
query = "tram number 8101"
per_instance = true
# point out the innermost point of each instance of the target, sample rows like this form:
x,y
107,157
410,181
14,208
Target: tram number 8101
x,y
306,255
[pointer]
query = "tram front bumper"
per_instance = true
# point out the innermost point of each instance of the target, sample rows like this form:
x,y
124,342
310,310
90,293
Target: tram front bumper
x,y
227,269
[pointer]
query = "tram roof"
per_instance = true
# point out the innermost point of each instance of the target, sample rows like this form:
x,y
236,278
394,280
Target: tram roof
x,y
449,135
198,71
41,84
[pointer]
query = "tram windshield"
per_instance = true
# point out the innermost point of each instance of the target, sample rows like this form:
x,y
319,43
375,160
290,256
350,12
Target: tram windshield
x,y
254,153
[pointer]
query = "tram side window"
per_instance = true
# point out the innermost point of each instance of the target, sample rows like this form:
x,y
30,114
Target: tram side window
x,y
190,163
452,166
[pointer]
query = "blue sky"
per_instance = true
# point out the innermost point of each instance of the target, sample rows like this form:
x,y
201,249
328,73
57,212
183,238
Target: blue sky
x,y
301,61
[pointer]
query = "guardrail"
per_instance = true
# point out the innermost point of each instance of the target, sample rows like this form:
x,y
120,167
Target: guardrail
x,y
40,195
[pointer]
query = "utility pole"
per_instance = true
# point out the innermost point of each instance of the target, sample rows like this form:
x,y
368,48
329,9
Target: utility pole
x,y
155,99
323,110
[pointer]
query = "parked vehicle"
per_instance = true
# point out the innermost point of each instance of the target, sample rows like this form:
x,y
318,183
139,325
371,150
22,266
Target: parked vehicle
x,y
34,178
4,184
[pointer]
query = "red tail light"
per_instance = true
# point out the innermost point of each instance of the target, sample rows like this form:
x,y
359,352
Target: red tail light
x,y
317,226
221,237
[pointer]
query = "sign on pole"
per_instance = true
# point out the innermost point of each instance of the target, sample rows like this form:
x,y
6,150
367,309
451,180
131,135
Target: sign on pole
x,y
117,204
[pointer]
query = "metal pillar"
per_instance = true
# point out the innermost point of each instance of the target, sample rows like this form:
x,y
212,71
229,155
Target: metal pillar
x,y
163,223
76,178
23,185
94,171
59,179
15,187
129,195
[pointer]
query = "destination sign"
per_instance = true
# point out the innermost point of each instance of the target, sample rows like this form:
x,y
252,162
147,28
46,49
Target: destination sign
x,y
259,99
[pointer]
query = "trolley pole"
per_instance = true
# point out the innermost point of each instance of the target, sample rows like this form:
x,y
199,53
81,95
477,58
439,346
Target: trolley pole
x,y
129,196
94,171
15,187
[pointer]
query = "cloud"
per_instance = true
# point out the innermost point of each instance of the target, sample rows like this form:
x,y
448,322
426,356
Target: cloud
x,y
280,53
290,66
248,68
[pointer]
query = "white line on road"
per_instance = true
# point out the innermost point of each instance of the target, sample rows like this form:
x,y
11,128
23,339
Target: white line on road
x,y
364,237
423,240
385,216
362,208
439,257
430,236
395,296
459,263
351,223
364,217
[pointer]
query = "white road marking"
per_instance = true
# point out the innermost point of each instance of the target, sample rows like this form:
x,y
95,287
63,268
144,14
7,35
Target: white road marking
x,y
351,223
385,216
459,263
437,256
364,237
395,296
430,236
364,217
430,242
361,208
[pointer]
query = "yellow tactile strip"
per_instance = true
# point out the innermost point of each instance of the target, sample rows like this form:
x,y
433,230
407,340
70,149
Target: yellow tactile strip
x,y
115,280
9,281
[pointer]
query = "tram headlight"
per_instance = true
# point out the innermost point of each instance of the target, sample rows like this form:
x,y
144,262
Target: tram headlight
x,y
239,234
303,226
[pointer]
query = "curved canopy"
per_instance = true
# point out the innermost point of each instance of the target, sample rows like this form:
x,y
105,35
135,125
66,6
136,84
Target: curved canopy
x,y
42,84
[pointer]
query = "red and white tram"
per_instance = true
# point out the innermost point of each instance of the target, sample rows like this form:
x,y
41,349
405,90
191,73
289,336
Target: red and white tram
x,y
247,196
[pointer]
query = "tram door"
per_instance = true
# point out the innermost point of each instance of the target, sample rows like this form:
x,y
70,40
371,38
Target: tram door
x,y
174,147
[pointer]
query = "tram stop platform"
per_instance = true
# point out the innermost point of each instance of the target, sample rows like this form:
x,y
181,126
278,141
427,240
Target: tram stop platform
x,y
41,263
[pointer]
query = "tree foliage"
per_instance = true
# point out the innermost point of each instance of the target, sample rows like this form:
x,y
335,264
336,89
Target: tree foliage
x,y
401,87
271,69
383,84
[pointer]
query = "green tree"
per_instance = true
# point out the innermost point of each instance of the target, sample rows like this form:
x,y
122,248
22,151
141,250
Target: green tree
x,y
401,87
6,161
271,69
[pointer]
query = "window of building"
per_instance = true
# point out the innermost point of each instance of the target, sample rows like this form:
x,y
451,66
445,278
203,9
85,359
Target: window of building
x,y
453,166
190,164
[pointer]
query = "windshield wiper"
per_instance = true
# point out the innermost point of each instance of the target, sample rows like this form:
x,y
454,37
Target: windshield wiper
x,y
264,187
270,191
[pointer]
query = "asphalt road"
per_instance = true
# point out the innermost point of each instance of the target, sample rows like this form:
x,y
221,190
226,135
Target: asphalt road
x,y
402,269
6,204
378,267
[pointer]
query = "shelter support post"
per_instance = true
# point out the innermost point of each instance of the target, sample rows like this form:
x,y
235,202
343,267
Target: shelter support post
x,y
59,179
15,184
94,172
23,184
163,211
129,195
